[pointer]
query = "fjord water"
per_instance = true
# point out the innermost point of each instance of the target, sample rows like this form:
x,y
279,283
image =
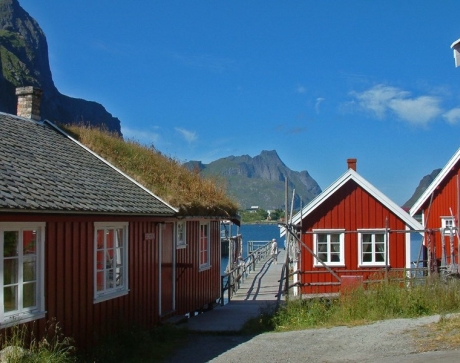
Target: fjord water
x,y
255,232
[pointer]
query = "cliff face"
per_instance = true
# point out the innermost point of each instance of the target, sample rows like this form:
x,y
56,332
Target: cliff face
x,y
260,180
24,62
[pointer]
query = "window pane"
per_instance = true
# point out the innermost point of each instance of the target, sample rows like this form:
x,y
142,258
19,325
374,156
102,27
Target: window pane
x,y
335,247
119,277
109,238
379,257
110,278
100,281
367,237
379,237
29,242
10,294
29,270
322,238
118,257
10,245
100,239
367,247
10,271
322,257
29,295
335,257
119,241
380,247
367,257
335,238
100,260
109,261
322,247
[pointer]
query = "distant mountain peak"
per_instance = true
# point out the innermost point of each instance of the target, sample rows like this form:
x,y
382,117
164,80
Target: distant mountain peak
x,y
260,180
424,183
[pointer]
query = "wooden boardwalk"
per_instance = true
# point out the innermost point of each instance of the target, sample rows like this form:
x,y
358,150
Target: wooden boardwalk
x,y
257,293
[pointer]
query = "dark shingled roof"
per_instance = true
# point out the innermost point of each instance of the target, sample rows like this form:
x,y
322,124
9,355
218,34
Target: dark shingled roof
x,y
42,169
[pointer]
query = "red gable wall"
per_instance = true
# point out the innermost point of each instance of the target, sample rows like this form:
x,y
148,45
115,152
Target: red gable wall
x,y
350,208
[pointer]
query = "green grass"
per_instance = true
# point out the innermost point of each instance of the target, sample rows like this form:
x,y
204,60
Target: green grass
x,y
380,301
164,176
25,348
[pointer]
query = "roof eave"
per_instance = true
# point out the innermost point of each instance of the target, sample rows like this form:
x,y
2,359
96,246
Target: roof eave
x,y
350,174
417,206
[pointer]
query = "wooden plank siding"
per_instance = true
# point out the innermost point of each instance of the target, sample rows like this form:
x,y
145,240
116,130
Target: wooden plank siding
x,y
69,277
351,208
445,203
195,289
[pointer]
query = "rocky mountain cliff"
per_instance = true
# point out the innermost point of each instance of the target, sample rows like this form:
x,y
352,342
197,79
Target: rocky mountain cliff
x,y
260,181
24,62
424,183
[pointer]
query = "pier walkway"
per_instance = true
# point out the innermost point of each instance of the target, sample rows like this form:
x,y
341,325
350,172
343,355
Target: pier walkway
x,y
256,294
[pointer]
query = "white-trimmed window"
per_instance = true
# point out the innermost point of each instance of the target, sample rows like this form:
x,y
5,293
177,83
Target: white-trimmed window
x,y
22,264
448,225
372,247
110,260
204,246
329,247
180,234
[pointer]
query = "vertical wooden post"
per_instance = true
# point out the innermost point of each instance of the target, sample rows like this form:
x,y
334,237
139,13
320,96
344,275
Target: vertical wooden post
x,y
288,247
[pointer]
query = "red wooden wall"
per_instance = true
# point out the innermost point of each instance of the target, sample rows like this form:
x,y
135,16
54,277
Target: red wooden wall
x,y
350,208
446,199
69,276
194,288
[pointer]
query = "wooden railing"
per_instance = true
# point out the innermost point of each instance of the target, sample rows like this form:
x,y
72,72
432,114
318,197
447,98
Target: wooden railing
x,y
406,276
231,280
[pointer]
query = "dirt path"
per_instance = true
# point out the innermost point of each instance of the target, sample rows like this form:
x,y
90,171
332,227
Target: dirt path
x,y
384,342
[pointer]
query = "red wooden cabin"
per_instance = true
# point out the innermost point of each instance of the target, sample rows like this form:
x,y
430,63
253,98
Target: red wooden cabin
x,y
439,210
353,232
86,245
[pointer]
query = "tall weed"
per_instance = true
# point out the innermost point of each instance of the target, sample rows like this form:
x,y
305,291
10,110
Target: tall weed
x,y
381,300
20,345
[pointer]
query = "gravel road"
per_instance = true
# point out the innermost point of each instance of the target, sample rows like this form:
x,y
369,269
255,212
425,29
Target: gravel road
x,y
388,341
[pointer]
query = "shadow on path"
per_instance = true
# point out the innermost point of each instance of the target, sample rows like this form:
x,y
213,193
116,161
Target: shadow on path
x,y
204,347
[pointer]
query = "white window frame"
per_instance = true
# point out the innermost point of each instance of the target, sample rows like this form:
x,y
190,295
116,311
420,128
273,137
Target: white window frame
x,y
386,244
23,315
108,293
181,236
328,233
448,225
206,265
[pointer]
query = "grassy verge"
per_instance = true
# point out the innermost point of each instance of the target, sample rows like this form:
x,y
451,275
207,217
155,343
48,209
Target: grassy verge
x,y
384,300
443,335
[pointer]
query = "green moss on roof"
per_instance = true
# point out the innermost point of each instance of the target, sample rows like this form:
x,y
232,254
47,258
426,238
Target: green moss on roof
x,y
166,177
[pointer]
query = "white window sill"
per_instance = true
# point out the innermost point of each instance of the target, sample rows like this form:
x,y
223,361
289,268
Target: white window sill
x,y
181,247
110,296
328,264
204,268
372,265
21,318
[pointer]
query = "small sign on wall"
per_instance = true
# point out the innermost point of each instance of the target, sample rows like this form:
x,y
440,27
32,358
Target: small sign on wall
x,y
149,236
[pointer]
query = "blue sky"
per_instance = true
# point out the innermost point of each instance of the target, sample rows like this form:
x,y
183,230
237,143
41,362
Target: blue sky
x,y
317,81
